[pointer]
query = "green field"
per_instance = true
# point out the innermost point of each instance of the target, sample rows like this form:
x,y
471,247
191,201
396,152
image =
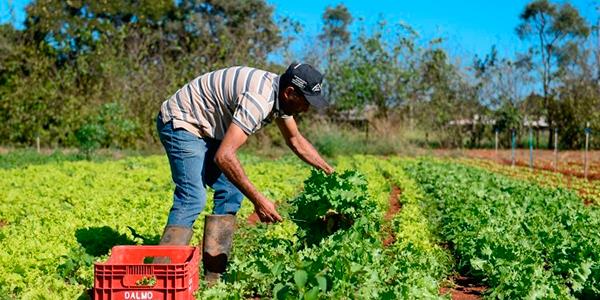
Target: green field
x,y
517,238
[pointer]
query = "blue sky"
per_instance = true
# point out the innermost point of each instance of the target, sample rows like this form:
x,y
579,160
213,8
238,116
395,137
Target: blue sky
x,y
469,26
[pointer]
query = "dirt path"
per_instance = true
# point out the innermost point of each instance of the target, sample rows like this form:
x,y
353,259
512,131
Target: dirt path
x,y
393,209
465,288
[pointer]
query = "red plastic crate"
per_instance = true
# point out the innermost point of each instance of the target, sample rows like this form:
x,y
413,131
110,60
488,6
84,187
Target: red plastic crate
x,y
117,277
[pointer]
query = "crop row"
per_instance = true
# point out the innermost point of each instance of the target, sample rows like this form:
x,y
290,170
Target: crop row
x,y
56,219
520,239
418,256
588,190
416,265
303,257
60,217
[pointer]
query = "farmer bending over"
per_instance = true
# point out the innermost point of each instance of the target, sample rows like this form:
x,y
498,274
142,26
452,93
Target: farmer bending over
x,y
201,128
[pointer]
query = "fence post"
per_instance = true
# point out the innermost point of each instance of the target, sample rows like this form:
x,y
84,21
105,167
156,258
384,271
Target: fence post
x,y
530,148
37,142
513,145
555,149
496,143
588,130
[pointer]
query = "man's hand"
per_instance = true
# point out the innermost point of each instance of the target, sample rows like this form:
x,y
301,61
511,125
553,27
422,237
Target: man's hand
x,y
266,211
227,161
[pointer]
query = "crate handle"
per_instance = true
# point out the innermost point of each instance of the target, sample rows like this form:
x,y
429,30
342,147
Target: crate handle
x,y
139,280
153,260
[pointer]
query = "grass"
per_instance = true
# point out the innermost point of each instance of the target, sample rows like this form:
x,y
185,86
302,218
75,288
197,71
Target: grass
x,y
385,137
333,139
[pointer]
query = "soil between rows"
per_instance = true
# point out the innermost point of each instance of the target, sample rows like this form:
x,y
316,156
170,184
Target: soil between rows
x,y
393,208
465,288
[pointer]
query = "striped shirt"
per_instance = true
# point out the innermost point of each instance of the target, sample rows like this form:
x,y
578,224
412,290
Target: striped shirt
x,y
207,105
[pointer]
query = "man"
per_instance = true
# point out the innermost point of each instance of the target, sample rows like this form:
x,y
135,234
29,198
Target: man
x,y
201,128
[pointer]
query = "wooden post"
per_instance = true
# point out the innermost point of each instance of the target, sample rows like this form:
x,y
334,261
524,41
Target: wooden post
x,y
555,149
587,144
514,144
496,143
37,143
530,148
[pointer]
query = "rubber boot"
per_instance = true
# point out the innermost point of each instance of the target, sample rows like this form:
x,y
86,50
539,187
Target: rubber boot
x,y
175,236
216,245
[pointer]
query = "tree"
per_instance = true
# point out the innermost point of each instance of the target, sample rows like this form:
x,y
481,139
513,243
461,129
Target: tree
x,y
72,28
76,57
335,29
596,29
408,57
371,74
335,36
508,118
290,30
553,27
240,31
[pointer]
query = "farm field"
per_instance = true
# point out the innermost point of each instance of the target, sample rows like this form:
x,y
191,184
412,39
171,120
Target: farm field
x,y
400,105
379,228
570,163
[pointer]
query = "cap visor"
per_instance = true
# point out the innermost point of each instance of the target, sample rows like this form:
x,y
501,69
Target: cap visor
x,y
317,101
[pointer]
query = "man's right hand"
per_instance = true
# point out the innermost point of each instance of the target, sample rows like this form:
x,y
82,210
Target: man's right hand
x,y
266,212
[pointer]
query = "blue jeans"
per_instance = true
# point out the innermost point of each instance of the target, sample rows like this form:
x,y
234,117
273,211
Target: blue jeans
x,y
193,169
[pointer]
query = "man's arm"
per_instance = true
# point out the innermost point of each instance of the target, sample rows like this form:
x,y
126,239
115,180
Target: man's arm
x,y
226,159
300,145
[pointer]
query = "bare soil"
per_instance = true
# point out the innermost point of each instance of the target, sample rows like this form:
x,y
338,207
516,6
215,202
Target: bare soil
x,y
3,223
394,202
465,288
393,209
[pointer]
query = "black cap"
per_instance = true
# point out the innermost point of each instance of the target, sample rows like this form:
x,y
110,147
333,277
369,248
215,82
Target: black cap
x,y
308,80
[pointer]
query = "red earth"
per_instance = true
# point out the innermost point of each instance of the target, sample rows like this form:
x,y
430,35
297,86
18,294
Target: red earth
x,y
569,162
465,288
393,209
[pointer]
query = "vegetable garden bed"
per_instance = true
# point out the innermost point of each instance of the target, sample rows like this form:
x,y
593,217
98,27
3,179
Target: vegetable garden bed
x,y
344,236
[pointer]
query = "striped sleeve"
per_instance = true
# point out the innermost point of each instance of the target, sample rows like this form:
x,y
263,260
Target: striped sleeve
x,y
250,112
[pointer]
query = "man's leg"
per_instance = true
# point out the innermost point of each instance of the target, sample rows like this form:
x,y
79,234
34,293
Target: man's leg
x,y
186,154
227,197
218,227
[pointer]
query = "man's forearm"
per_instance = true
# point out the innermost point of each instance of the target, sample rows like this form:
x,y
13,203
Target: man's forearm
x,y
305,150
232,168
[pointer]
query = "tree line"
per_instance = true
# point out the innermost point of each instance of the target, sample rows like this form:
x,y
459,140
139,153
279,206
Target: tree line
x,y
93,73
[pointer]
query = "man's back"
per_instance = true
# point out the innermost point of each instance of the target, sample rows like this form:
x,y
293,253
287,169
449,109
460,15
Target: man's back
x,y
208,104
